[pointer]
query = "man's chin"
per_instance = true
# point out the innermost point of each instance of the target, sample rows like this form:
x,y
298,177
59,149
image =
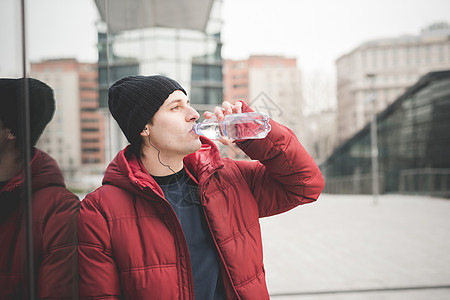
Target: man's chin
x,y
195,146
199,145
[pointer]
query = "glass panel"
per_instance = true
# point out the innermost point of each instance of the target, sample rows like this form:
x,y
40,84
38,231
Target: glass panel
x,y
198,73
214,96
16,259
198,95
413,135
74,144
58,94
215,73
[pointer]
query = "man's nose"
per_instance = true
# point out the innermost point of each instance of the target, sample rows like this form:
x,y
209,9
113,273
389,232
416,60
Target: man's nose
x,y
192,115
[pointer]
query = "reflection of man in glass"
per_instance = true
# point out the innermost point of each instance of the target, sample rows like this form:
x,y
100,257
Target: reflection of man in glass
x,y
54,208
173,219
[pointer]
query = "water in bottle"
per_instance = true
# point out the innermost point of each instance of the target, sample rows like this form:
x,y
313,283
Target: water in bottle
x,y
251,125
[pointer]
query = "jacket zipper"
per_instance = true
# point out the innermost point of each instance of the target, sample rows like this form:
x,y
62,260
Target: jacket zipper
x,y
214,240
172,225
186,254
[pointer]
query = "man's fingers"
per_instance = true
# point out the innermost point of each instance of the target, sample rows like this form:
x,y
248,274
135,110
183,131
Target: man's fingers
x,y
228,107
219,112
237,109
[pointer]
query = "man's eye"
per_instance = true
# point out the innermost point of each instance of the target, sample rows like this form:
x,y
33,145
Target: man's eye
x,y
175,107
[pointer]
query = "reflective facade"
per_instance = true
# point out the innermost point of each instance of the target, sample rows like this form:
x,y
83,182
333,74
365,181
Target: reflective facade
x,y
38,214
413,143
388,66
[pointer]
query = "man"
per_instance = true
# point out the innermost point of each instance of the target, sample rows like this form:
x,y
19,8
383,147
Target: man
x,y
174,220
54,208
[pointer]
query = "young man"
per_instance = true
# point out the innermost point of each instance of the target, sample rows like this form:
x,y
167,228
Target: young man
x,y
174,220
54,208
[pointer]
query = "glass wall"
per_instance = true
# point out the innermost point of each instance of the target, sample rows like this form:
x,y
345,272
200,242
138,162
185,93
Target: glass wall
x,y
413,141
55,132
16,259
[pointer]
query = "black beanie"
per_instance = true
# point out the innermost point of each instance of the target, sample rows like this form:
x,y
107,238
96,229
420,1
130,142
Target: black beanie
x,y
42,105
134,100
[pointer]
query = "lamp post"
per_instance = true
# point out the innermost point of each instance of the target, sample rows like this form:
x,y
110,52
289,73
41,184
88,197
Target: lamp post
x,y
374,140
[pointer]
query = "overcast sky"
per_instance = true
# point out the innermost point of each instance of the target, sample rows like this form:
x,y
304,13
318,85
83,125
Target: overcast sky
x,y
316,32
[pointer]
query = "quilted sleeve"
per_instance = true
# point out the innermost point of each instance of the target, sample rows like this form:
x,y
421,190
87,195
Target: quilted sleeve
x,y
283,174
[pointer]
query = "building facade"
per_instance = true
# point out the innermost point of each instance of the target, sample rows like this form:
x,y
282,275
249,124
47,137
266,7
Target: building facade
x,y
91,120
270,84
235,80
413,145
385,68
75,136
321,133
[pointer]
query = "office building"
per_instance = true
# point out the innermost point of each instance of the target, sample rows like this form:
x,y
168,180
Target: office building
x,y
386,68
270,84
413,145
75,136
91,120
320,127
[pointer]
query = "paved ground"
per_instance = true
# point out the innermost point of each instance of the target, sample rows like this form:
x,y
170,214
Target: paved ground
x,y
345,247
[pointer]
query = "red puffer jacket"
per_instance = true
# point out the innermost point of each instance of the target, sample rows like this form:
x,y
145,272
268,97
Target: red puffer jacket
x,y
54,217
131,245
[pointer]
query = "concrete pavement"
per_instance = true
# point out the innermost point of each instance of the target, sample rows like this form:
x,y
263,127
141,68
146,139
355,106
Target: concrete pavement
x,y
346,247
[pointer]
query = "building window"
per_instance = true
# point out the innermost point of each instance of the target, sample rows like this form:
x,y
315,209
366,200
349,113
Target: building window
x,y
91,161
88,99
197,95
90,140
89,120
198,73
214,95
89,109
215,73
89,129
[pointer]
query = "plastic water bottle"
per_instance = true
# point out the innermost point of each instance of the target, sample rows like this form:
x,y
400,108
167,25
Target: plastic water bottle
x,y
251,125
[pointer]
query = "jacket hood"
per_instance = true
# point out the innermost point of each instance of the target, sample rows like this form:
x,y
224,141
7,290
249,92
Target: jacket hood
x,y
44,172
125,170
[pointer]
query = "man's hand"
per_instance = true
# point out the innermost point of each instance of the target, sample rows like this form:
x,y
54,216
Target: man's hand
x,y
220,113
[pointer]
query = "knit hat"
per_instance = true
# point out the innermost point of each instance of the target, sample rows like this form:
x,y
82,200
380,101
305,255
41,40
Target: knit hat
x,y
134,100
42,105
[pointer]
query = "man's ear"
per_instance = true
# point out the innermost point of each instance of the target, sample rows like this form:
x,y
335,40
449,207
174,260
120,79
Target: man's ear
x,y
11,136
145,132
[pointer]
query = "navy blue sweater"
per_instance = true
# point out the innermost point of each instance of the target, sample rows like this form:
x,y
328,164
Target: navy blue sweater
x,y
181,192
